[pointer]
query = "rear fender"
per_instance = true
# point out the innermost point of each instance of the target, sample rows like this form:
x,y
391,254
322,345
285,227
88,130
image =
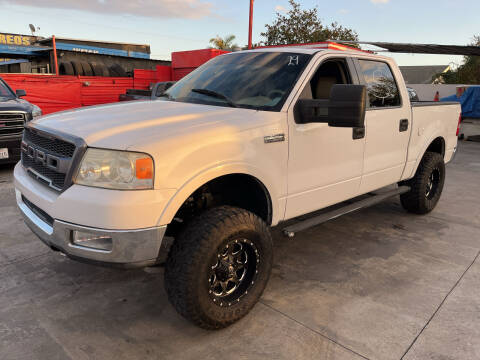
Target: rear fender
x,y
409,173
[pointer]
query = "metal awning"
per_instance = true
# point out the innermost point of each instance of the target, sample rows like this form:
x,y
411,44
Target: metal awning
x,y
16,51
468,50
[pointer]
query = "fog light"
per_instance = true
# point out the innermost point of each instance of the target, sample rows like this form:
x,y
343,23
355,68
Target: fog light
x,y
93,241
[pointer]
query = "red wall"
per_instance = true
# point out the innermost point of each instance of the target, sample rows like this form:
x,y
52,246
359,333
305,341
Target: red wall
x,y
50,93
55,93
184,62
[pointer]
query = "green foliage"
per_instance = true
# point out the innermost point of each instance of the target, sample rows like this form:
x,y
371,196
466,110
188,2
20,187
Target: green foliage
x,y
299,26
225,43
467,73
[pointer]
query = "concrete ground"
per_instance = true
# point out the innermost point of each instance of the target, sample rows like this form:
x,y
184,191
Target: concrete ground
x,y
377,284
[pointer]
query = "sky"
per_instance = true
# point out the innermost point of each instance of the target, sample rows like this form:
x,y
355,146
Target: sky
x,y
175,25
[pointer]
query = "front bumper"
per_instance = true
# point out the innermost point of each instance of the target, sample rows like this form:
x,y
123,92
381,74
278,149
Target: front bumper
x,y
130,248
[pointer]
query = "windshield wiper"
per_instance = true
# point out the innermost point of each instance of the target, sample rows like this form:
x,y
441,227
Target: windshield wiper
x,y
216,95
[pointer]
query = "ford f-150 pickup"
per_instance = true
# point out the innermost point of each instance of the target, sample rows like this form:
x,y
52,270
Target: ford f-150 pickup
x,y
244,142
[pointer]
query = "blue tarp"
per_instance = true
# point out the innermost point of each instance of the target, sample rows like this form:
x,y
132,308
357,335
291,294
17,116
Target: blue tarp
x,y
470,101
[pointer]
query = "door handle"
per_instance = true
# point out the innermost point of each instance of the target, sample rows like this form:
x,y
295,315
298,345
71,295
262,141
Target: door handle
x,y
403,125
274,138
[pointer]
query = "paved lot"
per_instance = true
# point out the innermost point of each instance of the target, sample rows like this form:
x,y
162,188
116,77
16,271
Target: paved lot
x,y
377,284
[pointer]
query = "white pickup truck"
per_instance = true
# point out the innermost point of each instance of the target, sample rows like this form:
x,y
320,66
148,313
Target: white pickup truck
x,y
244,142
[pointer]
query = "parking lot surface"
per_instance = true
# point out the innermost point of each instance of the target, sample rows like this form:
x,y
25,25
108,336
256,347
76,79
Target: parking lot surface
x,y
376,284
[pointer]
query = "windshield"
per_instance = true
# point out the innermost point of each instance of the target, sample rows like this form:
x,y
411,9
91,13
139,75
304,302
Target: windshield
x,y
5,91
254,80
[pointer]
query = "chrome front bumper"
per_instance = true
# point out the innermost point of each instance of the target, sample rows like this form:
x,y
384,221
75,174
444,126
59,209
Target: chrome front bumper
x,y
130,248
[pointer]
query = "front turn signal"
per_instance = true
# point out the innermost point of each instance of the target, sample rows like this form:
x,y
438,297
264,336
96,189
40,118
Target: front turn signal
x,y
144,168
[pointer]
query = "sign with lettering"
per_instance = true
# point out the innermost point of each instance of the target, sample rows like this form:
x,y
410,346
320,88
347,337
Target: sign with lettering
x,y
16,39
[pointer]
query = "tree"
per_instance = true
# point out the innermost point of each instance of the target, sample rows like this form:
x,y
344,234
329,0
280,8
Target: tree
x,y
468,72
225,43
299,26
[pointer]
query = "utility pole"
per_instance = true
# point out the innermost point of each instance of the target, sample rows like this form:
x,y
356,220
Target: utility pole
x,y
55,58
250,25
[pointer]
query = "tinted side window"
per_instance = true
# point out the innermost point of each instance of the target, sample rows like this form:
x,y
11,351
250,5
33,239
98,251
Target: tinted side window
x,y
329,73
4,91
381,85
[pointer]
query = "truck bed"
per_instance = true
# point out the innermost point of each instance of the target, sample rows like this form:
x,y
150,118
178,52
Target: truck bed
x,y
430,120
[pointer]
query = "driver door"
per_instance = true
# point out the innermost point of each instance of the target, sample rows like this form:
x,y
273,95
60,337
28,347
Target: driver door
x,y
325,163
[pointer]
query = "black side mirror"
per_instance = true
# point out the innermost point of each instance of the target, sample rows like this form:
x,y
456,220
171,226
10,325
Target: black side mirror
x,y
347,106
20,93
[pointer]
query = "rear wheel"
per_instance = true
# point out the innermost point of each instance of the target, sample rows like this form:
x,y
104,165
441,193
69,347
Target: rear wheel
x,y
219,266
426,185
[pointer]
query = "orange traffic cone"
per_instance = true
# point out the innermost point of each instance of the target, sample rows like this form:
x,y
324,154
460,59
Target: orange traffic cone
x,y
437,96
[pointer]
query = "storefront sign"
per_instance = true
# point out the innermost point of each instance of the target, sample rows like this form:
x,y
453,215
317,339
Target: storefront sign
x,y
16,39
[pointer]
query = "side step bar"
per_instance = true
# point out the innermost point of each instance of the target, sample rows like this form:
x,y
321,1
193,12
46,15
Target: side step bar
x,y
320,219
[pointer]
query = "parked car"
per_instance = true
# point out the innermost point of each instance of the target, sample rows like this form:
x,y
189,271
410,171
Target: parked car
x,y
248,140
157,90
14,113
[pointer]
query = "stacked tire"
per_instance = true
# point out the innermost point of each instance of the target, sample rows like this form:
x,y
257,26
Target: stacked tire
x,y
117,70
66,68
82,68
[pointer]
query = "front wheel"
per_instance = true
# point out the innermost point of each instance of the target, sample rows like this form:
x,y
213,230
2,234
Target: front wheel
x,y
219,266
426,186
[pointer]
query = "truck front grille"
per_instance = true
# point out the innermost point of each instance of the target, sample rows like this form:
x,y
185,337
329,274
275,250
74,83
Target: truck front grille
x,y
54,145
47,158
11,123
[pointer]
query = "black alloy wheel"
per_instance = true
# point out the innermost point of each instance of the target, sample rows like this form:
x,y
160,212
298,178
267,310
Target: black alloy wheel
x,y
233,272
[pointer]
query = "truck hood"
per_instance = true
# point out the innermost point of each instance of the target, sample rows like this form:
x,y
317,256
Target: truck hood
x,y
14,104
123,125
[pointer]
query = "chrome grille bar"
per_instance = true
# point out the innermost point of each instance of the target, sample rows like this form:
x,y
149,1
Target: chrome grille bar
x,y
11,123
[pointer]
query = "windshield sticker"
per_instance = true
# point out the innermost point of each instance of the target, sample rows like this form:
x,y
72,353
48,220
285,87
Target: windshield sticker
x,y
293,60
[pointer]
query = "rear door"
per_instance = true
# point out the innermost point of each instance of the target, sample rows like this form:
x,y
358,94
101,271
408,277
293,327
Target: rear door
x,y
387,123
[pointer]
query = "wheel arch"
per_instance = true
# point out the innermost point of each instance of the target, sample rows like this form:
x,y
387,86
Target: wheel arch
x,y
435,144
240,176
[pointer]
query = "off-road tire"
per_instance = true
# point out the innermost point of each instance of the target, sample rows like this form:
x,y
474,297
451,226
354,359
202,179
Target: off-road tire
x,y
418,200
195,250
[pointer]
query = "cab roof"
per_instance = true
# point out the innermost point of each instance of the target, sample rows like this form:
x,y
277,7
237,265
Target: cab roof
x,y
314,48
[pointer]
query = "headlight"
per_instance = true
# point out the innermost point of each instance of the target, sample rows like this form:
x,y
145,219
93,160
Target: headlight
x,y
36,111
112,169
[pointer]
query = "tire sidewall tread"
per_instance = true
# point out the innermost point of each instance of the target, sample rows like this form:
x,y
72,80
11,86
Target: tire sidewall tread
x,y
415,200
190,257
